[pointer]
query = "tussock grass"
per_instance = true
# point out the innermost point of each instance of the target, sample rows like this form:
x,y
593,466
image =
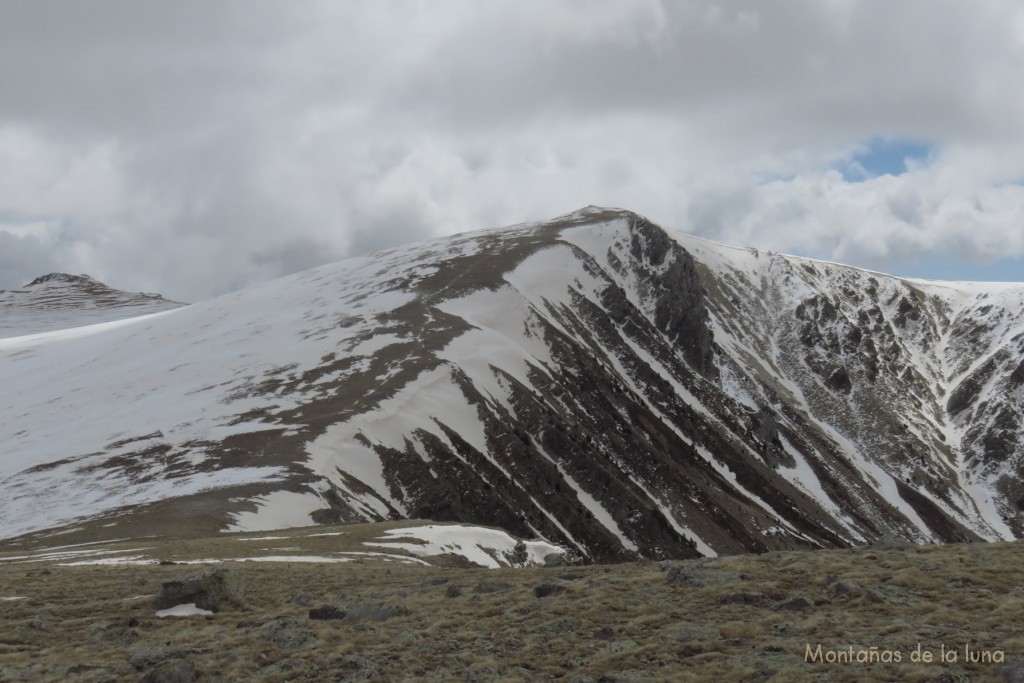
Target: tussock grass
x,y
742,618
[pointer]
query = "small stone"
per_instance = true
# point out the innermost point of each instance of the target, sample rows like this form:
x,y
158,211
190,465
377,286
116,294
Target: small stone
x,y
326,612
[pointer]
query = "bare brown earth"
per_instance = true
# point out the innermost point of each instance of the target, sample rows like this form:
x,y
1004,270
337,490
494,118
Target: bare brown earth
x,y
739,618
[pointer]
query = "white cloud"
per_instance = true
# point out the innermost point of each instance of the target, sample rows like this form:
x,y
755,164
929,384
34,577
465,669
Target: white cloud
x,y
39,177
192,148
949,207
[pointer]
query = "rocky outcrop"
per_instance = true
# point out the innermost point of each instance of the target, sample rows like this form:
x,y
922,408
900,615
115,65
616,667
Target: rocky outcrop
x,y
213,589
679,308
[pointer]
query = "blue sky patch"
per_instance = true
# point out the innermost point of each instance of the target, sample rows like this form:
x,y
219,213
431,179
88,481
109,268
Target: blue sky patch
x,y
1003,270
883,156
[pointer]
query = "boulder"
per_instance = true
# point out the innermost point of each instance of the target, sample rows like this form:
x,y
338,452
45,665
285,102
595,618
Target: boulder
x,y
171,671
326,613
287,633
213,589
148,656
548,588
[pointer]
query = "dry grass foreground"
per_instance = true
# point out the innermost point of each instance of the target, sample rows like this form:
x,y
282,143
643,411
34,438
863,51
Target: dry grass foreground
x,y
742,618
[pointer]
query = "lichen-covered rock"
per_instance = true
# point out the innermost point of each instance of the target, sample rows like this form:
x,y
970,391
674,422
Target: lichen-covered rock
x,y
172,671
214,589
286,633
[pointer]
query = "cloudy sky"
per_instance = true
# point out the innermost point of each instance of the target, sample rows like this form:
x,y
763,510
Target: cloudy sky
x,y
196,147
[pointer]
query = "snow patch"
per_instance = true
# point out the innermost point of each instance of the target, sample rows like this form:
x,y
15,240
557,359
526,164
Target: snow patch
x,y
487,547
277,510
188,609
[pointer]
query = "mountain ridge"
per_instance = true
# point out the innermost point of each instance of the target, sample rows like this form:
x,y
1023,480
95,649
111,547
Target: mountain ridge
x,y
593,380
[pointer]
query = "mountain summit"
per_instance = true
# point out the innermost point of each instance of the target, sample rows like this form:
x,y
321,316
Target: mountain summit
x,y
59,301
593,380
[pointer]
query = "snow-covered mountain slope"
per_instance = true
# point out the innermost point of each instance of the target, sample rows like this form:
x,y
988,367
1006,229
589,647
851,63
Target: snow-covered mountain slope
x,y
58,301
593,381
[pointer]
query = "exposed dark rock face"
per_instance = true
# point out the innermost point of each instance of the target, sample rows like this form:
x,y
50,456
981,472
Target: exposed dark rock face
x,y
63,277
679,310
1017,376
839,379
968,391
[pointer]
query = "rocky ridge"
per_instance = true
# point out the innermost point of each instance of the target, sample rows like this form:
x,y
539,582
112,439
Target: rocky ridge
x,y
593,380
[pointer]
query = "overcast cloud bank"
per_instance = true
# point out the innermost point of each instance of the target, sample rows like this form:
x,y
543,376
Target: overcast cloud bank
x,y
194,148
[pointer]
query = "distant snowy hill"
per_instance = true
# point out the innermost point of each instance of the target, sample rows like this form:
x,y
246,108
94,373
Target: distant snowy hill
x,y
58,301
594,381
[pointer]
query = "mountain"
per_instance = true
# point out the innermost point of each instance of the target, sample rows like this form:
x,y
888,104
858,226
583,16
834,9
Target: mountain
x,y
58,301
594,380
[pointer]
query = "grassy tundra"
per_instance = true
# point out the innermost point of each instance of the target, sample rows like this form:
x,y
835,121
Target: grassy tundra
x,y
915,613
